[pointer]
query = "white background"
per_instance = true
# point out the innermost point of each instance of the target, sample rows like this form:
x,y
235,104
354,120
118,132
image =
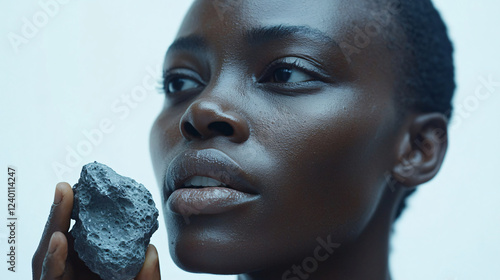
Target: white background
x,y
69,76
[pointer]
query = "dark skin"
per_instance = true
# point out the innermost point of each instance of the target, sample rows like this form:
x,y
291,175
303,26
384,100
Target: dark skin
x,y
316,135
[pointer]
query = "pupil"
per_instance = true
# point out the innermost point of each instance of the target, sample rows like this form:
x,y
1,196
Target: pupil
x,y
282,74
176,85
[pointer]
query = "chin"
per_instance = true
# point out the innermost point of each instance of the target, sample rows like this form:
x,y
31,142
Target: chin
x,y
202,247
209,257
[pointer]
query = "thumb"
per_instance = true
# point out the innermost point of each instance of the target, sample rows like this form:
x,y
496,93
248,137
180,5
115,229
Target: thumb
x,y
151,268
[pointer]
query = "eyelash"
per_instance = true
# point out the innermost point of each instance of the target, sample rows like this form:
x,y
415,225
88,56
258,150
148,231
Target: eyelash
x,y
267,76
160,85
294,65
168,77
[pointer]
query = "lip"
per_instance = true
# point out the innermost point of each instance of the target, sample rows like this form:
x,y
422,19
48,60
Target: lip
x,y
210,163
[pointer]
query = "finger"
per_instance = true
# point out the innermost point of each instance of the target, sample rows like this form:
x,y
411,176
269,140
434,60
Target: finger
x,y
59,220
151,268
55,259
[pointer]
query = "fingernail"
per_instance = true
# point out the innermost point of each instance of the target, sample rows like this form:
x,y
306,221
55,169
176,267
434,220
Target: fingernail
x,y
57,195
52,244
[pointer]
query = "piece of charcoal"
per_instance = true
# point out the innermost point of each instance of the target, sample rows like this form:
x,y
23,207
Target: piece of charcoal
x,y
115,218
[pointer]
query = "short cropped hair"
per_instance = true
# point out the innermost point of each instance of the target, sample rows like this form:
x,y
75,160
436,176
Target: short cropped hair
x,y
423,57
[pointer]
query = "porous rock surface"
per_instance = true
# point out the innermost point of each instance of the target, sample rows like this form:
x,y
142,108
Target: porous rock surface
x,y
115,218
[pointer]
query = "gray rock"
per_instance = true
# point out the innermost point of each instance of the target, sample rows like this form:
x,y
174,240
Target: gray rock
x,y
115,218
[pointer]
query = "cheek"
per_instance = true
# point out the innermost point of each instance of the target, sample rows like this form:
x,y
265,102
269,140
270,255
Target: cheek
x,y
332,167
347,171
163,135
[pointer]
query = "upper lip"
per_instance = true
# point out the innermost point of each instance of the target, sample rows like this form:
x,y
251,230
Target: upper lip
x,y
210,163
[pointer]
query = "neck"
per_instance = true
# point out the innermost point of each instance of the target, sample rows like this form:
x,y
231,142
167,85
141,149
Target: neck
x,y
367,257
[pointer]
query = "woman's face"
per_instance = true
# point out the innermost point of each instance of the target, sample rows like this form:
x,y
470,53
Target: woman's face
x,y
266,86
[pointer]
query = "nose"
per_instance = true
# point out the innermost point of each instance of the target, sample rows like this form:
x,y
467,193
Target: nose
x,y
206,119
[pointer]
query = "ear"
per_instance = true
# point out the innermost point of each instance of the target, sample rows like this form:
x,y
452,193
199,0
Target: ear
x,y
422,149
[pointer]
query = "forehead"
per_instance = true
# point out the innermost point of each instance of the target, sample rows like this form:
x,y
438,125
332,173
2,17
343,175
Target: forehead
x,y
345,34
333,17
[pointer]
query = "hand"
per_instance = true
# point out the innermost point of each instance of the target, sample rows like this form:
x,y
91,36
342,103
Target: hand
x,y
55,257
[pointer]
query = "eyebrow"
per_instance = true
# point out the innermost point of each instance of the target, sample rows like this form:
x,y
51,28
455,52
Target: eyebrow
x,y
256,36
194,43
262,35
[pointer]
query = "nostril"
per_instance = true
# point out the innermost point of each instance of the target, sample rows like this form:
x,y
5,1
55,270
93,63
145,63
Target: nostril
x,y
191,130
222,127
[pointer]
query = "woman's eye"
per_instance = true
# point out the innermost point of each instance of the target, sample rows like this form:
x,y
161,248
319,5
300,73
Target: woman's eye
x,y
290,75
179,84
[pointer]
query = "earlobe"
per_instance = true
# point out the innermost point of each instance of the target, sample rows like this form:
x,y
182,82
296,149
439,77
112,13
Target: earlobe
x,y
422,149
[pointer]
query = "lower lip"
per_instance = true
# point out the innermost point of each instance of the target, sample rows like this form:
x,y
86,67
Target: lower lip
x,y
209,200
